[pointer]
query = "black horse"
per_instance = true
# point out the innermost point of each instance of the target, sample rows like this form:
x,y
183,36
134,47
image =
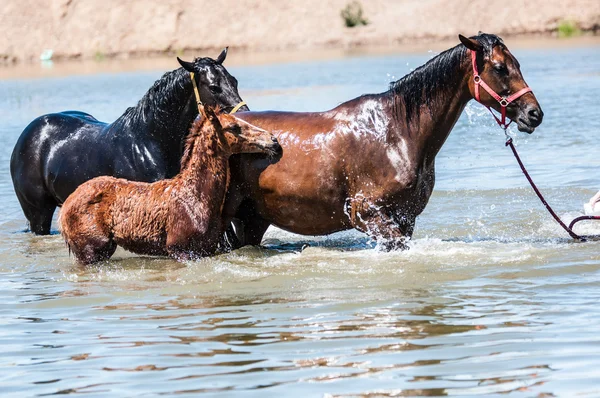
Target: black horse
x,y
58,152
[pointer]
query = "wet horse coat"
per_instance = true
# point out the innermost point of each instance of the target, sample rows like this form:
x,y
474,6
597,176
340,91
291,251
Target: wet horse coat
x,y
369,163
58,152
180,217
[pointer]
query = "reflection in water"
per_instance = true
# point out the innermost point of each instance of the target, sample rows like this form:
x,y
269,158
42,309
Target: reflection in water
x,y
468,341
418,339
270,319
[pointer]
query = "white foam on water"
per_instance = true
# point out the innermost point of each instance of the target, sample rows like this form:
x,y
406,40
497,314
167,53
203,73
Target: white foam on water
x,y
344,256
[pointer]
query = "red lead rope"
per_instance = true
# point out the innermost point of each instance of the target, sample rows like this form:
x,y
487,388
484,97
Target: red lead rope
x,y
504,101
569,229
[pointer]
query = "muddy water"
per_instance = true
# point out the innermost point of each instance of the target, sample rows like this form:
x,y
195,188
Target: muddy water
x,y
492,298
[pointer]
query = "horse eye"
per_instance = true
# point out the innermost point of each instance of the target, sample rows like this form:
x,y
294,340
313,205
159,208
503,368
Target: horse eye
x,y
235,129
215,89
501,69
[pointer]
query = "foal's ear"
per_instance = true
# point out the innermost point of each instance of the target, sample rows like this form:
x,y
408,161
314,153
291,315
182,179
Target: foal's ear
x,y
213,116
471,44
189,66
222,56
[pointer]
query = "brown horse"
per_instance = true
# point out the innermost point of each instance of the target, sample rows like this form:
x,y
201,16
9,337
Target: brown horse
x,y
180,217
369,163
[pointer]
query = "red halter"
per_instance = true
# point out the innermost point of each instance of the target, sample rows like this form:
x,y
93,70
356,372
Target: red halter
x,y
504,101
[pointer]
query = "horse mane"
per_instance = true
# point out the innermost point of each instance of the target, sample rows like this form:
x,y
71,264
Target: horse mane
x,y
421,85
190,141
151,107
169,89
197,130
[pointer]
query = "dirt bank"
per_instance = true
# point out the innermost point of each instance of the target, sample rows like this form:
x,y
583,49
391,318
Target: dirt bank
x,y
87,29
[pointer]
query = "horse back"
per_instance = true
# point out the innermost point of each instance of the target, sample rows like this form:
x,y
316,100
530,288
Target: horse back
x,y
48,146
300,123
58,152
82,115
47,129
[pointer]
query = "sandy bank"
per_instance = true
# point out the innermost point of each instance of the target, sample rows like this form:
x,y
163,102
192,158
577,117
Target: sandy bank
x,y
88,29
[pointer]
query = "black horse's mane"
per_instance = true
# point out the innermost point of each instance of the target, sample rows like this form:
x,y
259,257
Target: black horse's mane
x,y
153,106
421,85
167,92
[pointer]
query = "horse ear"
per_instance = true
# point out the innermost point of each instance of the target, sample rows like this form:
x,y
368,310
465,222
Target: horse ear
x,y
471,44
189,66
213,116
222,56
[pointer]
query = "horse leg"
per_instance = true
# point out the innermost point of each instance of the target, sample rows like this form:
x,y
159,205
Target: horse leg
x,y
95,250
178,254
233,237
87,239
397,234
379,225
254,230
90,248
39,213
253,225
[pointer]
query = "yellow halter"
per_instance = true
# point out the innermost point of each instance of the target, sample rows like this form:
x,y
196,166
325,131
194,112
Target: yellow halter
x,y
200,104
237,107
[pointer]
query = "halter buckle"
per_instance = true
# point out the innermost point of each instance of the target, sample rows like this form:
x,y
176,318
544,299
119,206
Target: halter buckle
x,y
477,79
503,102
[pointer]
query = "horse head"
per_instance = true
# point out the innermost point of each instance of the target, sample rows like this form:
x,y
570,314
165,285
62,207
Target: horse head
x,y
498,73
238,136
215,85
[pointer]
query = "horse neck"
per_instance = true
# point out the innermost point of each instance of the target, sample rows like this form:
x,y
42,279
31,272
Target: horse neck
x,y
205,170
438,95
165,113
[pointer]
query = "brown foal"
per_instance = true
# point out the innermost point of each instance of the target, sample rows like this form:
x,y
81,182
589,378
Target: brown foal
x,y
179,217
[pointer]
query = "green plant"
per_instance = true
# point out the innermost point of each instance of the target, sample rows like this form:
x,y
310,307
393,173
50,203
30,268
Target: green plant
x,y
568,28
99,56
353,15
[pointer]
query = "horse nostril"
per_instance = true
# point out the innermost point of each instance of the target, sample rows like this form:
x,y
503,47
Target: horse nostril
x,y
536,114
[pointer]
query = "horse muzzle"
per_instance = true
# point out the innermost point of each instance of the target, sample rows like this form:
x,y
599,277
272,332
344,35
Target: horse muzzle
x,y
530,118
274,151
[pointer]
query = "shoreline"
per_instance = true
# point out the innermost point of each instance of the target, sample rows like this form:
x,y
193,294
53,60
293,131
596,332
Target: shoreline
x,y
241,57
88,31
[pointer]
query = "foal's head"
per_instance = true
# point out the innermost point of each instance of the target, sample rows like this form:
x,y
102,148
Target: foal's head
x,y
215,85
501,71
237,136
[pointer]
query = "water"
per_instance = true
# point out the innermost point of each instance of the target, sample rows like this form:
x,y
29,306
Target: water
x,y
493,298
